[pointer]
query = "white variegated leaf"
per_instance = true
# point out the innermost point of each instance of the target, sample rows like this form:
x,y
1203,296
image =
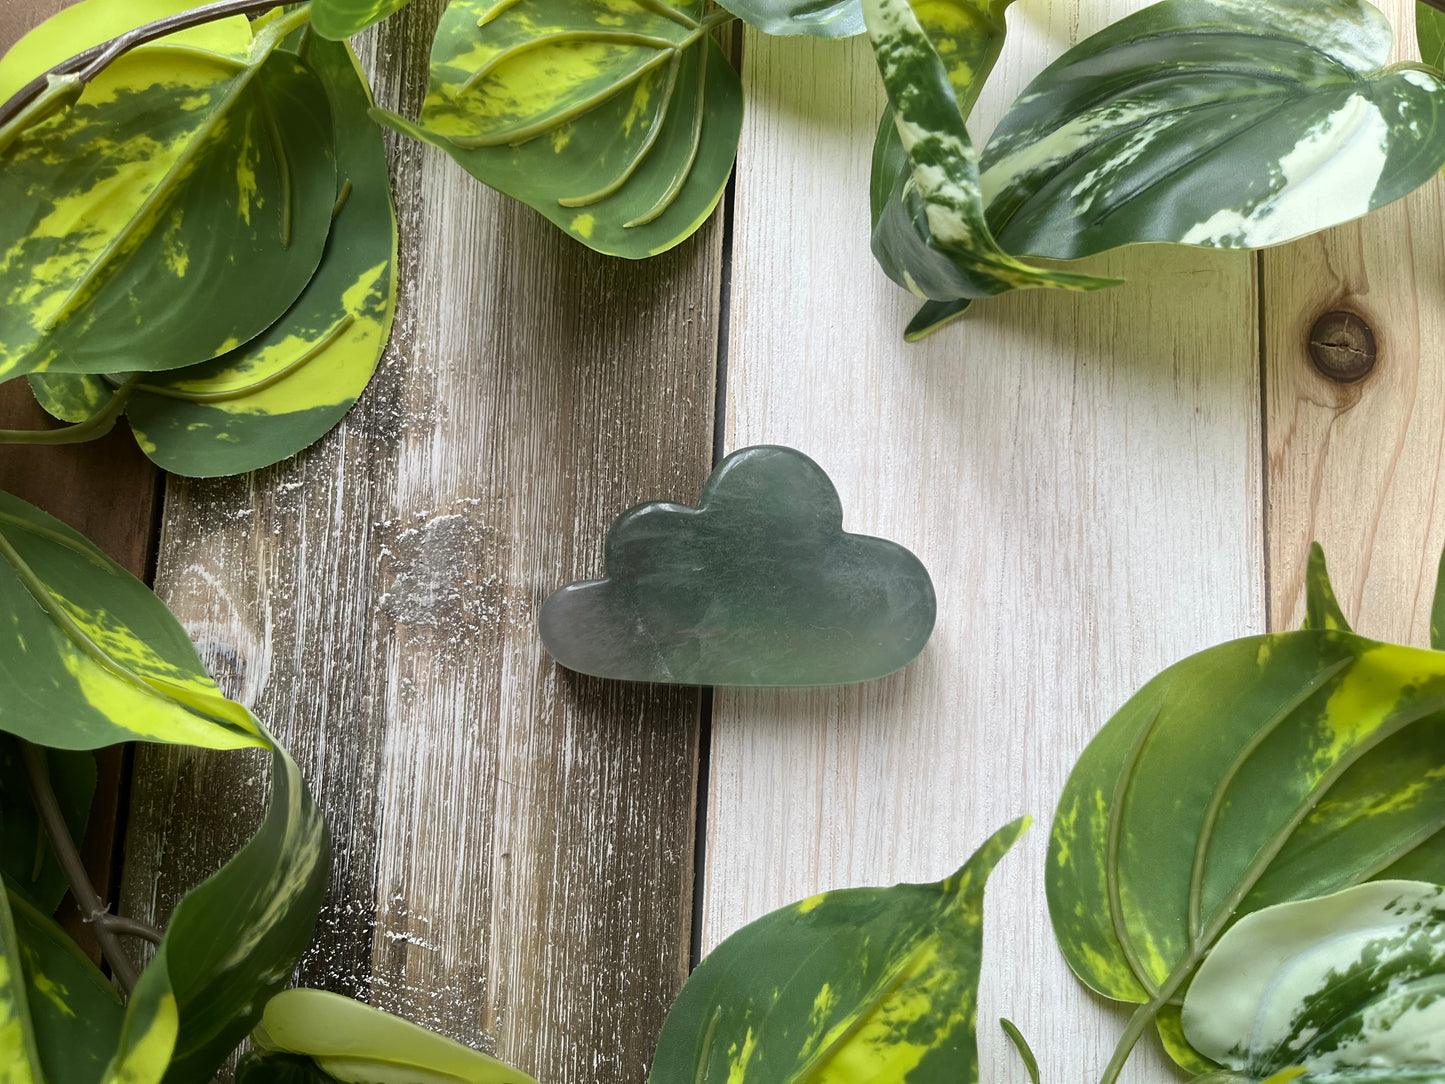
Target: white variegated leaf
x,y
1345,987
1222,123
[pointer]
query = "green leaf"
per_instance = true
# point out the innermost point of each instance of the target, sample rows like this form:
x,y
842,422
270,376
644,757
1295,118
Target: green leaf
x,y
1430,34
19,1057
873,985
1213,123
1322,609
1437,608
929,230
619,122
76,1012
173,213
26,860
268,399
337,19
818,18
89,656
1025,1052
1257,772
231,944
352,1042
1350,987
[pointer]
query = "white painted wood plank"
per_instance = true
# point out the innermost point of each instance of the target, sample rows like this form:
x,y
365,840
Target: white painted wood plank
x,y
1081,475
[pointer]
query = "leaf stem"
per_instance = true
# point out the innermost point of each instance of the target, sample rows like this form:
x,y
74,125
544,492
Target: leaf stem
x,y
96,59
1138,1023
97,425
92,908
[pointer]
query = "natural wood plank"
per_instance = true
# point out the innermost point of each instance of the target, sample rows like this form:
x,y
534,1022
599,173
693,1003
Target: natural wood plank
x,y
513,844
1358,467
1080,474
106,490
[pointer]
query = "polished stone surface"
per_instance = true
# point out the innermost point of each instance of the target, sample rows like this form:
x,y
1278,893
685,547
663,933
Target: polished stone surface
x,y
757,585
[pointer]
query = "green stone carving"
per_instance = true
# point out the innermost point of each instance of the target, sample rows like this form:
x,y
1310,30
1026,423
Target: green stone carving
x,y
757,585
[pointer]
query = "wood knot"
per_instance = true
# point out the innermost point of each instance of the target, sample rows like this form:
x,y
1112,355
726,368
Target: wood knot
x,y
1342,346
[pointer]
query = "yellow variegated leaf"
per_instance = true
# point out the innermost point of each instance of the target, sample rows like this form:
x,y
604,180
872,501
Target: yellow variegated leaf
x,y
170,214
619,121
858,986
89,656
1261,771
19,1058
75,1010
277,394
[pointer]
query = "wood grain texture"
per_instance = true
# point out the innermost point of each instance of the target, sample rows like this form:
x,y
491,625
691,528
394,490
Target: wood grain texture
x,y
1359,467
1081,475
106,490
513,844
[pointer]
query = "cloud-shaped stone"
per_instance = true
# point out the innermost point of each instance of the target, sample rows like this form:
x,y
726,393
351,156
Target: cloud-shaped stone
x,y
757,585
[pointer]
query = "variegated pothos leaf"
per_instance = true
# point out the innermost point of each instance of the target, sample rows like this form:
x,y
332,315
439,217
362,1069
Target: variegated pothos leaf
x,y
619,121
857,986
230,946
1345,988
170,214
1260,771
19,1056
90,657
929,230
1221,123
75,1010
817,18
277,394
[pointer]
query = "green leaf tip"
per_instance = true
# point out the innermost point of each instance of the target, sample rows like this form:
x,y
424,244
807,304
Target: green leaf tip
x,y
1322,609
876,984
1020,1044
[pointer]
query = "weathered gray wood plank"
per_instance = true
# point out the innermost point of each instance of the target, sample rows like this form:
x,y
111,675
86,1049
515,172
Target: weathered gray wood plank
x,y
513,844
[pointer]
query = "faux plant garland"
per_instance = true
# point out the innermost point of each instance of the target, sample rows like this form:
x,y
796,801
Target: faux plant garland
x,y
1333,747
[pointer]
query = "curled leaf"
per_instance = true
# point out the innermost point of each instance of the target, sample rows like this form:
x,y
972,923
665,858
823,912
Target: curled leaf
x,y
861,984
619,122
1345,988
231,944
929,229
354,1043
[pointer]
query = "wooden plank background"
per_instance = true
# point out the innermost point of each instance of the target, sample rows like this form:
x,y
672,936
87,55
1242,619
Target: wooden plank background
x,y
1099,485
